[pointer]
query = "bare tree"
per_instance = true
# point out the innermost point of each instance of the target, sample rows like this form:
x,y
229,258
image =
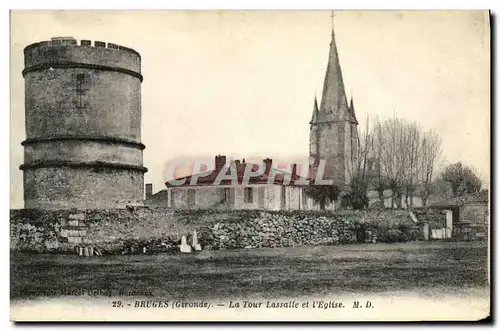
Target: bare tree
x,y
394,156
357,198
363,152
379,180
405,160
411,167
430,152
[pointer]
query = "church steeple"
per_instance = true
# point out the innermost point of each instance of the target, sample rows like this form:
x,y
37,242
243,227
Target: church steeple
x,y
333,135
333,100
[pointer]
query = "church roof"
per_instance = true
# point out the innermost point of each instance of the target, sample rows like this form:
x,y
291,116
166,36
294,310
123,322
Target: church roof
x,y
159,198
209,177
480,197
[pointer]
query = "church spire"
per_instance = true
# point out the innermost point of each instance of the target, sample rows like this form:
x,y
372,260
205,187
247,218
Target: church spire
x,y
333,100
315,111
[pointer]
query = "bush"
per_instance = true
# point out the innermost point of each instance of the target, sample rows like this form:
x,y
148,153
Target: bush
x,y
355,200
415,233
391,235
377,206
435,219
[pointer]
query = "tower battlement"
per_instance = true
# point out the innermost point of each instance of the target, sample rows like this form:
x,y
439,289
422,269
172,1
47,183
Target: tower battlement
x,y
70,41
68,52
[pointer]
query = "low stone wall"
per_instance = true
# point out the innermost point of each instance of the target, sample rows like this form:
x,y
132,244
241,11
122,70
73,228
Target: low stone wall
x,y
277,230
110,230
125,231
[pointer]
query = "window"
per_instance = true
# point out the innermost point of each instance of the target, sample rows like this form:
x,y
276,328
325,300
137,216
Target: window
x,y
261,193
191,197
226,196
304,198
221,193
248,195
81,89
229,192
80,79
172,199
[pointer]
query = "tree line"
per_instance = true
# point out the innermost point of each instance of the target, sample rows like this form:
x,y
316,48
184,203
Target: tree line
x,y
397,155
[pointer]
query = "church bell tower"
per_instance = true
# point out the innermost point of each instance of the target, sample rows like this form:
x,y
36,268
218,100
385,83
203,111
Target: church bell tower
x,y
333,127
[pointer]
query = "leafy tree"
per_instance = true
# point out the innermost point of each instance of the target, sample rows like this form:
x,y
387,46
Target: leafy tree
x,y
462,179
441,190
323,194
357,198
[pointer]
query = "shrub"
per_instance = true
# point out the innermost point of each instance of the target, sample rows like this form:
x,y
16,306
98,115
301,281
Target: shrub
x,y
391,235
377,206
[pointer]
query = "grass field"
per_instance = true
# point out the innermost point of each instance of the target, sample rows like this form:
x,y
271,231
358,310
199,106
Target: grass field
x,y
267,273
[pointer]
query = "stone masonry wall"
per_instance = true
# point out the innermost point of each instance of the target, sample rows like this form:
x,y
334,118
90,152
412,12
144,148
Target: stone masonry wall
x,y
111,104
122,231
60,187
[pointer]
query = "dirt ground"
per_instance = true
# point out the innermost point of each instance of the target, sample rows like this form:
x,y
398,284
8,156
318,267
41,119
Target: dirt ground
x,y
426,268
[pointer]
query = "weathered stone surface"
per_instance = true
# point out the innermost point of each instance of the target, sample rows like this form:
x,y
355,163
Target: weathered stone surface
x,y
122,231
78,217
65,101
73,223
75,240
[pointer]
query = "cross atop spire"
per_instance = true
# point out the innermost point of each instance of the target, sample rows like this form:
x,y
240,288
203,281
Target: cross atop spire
x,y
333,100
333,20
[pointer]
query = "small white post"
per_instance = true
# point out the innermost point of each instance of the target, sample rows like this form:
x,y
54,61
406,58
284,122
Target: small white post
x,y
184,247
426,231
196,245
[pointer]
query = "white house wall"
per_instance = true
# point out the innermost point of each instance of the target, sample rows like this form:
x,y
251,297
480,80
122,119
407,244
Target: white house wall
x,y
207,197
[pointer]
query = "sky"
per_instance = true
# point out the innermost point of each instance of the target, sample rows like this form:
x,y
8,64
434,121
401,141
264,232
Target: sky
x,y
243,83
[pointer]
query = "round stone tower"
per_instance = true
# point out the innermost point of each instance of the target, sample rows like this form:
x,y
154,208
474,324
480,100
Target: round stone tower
x,y
83,125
